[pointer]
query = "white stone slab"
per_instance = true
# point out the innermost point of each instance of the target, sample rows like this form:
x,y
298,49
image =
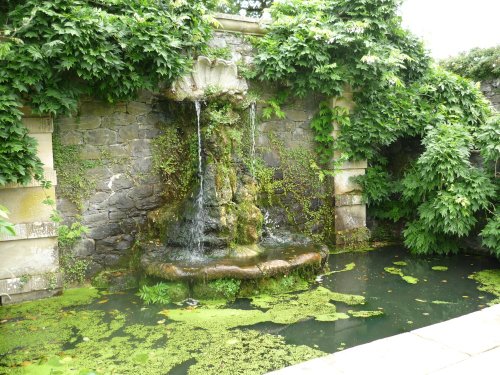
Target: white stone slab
x,y
484,363
28,257
472,334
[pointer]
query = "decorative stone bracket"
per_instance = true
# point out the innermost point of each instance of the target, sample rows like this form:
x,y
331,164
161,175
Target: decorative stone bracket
x,y
219,75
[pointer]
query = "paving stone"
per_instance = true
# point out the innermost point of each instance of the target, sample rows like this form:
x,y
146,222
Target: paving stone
x,y
470,334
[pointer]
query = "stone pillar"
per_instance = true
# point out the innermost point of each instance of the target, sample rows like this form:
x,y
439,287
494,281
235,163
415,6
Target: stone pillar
x,y
350,211
29,262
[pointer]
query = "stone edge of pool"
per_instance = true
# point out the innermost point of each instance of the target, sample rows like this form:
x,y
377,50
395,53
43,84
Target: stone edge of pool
x,y
463,345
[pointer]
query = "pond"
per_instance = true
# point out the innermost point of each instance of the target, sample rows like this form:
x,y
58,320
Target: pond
x,y
365,296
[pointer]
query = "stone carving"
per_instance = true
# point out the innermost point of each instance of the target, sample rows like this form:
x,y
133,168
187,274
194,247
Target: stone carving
x,y
219,75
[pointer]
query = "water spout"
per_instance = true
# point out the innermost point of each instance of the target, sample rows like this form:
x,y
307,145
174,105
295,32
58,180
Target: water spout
x,y
198,226
252,129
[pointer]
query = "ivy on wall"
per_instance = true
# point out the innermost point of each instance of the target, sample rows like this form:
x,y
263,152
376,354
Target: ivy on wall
x,y
442,196
62,49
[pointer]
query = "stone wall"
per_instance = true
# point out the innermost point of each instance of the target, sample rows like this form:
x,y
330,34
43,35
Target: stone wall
x,y
491,89
117,139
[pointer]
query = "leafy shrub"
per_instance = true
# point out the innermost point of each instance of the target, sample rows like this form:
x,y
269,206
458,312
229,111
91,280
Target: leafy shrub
x,y
478,64
158,293
228,288
107,49
327,46
5,225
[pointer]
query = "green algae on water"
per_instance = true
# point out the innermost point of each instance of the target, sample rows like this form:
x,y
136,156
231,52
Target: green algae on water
x,y
410,279
365,314
348,267
490,283
399,272
400,263
439,268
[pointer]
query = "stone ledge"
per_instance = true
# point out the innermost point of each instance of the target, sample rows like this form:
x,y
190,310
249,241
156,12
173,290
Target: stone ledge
x,y
31,283
37,125
239,24
49,175
27,231
228,267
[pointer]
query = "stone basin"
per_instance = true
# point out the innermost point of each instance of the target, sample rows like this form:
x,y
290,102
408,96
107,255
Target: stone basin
x,y
273,261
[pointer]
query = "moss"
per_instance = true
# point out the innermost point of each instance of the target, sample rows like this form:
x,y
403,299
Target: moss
x,y
490,283
365,314
249,226
399,272
274,285
440,268
70,298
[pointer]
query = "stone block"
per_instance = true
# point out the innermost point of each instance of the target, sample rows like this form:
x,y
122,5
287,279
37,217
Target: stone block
x,y
101,137
90,152
138,108
350,217
44,148
271,158
28,257
121,200
141,192
30,296
140,148
297,115
97,108
117,119
84,248
142,165
71,138
344,183
128,132
103,231
25,204
38,124
29,283
119,182
118,151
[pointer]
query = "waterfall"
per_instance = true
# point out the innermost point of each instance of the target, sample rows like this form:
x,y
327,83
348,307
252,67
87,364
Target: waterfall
x,y
198,226
252,129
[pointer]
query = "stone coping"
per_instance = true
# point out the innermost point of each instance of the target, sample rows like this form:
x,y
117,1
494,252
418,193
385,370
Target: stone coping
x,y
239,24
255,268
464,345
27,231
37,125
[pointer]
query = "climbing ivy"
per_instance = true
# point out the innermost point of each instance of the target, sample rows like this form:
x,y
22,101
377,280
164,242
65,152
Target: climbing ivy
x,y
59,50
329,46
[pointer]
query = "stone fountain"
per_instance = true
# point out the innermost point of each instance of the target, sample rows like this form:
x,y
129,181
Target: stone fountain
x,y
216,231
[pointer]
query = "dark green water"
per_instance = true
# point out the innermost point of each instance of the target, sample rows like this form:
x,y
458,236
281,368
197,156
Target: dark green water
x,y
401,302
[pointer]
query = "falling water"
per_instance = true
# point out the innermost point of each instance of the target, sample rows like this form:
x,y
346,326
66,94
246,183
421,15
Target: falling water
x,y
252,129
198,224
